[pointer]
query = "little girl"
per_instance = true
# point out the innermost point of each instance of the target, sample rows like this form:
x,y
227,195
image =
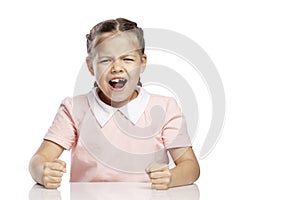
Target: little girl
x,y
118,131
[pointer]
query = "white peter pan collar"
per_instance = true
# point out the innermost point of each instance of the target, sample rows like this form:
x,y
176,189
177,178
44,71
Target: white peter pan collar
x,y
133,110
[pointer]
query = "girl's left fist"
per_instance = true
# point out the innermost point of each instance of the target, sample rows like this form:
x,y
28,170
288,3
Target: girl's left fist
x,y
160,176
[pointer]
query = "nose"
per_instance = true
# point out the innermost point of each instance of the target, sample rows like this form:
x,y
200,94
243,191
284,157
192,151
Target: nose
x,y
117,67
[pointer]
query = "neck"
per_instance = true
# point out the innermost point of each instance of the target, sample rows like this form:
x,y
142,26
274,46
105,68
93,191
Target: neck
x,y
115,104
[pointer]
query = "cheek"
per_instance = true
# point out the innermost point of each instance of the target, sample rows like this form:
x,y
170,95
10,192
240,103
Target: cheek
x,y
100,72
135,73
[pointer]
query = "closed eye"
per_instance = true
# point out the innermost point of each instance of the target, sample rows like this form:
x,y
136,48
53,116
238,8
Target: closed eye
x,y
128,59
104,61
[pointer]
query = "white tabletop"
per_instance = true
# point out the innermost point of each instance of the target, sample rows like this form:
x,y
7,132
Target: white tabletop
x,y
115,191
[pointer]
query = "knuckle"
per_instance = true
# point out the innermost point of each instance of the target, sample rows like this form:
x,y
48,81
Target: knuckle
x,y
152,175
59,179
52,184
153,181
47,185
64,164
165,181
164,187
61,163
60,167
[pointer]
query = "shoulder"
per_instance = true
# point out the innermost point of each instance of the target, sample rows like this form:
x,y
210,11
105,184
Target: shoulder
x,y
166,102
71,101
74,107
73,104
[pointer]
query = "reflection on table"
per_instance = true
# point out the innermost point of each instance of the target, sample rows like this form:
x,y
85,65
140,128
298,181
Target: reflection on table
x,y
39,192
116,190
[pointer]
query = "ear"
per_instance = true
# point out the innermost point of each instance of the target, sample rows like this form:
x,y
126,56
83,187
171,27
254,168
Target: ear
x,y
89,63
144,63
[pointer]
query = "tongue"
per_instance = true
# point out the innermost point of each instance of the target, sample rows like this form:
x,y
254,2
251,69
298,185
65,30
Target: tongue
x,y
118,85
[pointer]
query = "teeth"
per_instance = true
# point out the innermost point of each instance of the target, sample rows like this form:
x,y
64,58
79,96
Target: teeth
x,y
115,80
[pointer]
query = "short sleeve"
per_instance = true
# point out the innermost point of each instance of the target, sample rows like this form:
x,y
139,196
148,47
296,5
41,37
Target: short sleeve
x,y
174,132
63,130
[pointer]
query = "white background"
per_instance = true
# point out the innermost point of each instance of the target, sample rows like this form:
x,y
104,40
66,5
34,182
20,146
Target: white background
x,y
255,46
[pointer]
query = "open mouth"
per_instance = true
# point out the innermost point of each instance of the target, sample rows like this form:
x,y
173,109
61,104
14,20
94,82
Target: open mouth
x,y
117,83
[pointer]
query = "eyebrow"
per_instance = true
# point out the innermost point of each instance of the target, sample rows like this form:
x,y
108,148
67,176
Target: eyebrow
x,y
99,57
128,54
132,53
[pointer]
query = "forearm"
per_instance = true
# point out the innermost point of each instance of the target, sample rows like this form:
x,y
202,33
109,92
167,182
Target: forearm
x,y
44,166
185,173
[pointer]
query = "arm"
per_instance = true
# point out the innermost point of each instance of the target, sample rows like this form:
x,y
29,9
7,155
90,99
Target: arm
x,y
186,171
174,135
44,166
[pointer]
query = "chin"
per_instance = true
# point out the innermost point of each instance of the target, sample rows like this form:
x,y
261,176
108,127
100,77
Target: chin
x,y
119,98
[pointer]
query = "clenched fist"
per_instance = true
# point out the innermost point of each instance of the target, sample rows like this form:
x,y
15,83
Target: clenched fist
x,y
52,173
159,175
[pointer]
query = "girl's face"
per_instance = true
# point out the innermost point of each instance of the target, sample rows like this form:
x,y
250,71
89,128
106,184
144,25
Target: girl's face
x,y
117,65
